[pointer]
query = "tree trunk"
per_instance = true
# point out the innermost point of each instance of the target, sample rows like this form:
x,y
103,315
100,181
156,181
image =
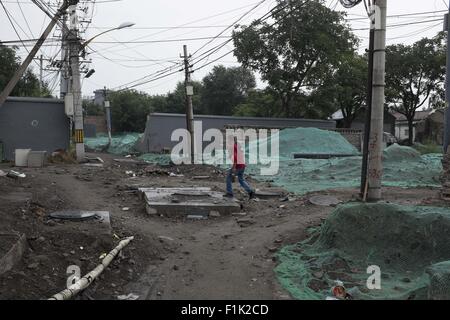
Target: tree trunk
x,y
348,122
411,131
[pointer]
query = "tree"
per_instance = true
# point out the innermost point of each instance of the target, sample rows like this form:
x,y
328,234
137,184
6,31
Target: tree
x,y
176,100
129,110
346,89
259,103
298,51
28,85
414,73
225,88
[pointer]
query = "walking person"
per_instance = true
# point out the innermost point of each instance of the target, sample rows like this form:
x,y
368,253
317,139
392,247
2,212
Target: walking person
x,y
238,169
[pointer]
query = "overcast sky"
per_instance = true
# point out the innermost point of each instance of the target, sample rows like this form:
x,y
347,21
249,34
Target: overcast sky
x,y
118,64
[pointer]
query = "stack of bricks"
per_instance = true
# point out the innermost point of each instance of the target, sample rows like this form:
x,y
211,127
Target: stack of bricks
x,y
445,178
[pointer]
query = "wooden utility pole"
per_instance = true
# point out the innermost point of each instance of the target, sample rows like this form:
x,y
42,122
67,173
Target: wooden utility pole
x,y
375,171
19,73
189,90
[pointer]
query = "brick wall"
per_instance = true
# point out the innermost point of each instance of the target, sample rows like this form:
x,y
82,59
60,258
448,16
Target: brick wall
x,y
355,137
98,121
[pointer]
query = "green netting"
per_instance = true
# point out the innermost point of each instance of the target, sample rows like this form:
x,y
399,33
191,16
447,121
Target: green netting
x,y
309,141
122,144
405,242
403,166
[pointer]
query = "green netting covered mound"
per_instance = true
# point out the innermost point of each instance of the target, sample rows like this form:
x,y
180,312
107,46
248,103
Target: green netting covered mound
x,y
302,176
407,243
400,153
310,141
122,144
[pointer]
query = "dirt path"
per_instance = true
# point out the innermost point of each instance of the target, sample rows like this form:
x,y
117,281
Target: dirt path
x,y
180,259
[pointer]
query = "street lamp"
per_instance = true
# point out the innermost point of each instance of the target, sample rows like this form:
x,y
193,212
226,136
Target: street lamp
x,y
122,26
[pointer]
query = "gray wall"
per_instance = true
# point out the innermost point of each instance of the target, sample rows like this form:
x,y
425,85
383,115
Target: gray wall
x,y
33,123
160,127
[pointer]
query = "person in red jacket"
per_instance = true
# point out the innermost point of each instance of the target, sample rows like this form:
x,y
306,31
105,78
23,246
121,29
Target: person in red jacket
x,y
238,168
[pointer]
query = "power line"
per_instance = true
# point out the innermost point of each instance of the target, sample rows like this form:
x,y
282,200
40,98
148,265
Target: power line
x,y
232,25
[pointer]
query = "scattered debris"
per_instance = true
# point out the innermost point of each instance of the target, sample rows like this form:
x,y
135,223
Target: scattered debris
x,y
3,173
16,175
96,159
215,214
176,175
239,214
197,217
75,215
201,177
93,165
164,238
130,296
15,253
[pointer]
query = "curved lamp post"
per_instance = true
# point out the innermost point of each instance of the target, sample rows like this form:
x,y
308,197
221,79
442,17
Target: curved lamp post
x,y
122,26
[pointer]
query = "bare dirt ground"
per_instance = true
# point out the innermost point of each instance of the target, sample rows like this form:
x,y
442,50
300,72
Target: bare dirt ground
x,y
171,258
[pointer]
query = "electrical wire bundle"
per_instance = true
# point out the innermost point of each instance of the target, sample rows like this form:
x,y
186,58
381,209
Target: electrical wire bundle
x,y
350,3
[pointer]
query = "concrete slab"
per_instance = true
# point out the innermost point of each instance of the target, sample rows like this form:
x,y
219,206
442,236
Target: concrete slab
x,y
187,201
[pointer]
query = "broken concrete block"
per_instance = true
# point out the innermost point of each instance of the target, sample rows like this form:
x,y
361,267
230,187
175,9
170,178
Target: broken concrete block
x,y
13,255
239,214
196,217
214,214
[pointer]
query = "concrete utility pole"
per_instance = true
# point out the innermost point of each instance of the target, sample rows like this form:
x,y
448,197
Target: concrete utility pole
x,y
447,84
63,87
19,73
189,108
378,100
107,105
364,181
75,83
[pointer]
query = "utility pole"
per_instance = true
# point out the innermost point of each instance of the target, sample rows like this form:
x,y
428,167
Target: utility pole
x,y
189,108
23,67
63,87
75,83
107,114
447,84
364,181
378,100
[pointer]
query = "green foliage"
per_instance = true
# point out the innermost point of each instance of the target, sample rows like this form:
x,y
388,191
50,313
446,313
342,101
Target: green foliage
x,y
259,103
346,90
296,53
414,73
176,100
225,88
92,109
129,110
428,148
28,85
